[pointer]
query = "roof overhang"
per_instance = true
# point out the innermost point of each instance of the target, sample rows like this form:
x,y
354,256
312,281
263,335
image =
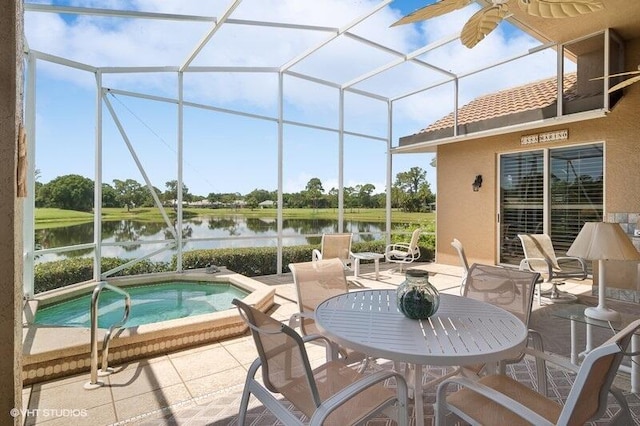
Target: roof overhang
x,y
431,146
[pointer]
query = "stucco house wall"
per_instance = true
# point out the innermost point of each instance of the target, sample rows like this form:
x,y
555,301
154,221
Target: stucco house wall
x,y
472,216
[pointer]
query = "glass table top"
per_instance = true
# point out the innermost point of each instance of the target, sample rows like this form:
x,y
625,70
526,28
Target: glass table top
x,y
575,312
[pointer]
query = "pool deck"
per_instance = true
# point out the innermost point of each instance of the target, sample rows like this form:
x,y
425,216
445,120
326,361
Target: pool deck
x,y
139,390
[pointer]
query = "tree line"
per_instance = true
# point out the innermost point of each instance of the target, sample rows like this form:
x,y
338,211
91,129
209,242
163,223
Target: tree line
x,y
410,192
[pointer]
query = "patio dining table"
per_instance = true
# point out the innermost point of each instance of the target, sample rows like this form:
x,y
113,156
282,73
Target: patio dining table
x,y
463,331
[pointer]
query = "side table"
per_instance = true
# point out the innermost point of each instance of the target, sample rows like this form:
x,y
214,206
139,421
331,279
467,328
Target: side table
x,y
357,257
575,314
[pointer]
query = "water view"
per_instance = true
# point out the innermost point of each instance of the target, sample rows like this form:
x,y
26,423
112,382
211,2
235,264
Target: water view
x,y
126,238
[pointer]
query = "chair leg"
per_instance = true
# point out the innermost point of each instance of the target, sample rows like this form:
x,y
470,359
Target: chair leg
x,y
244,404
246,392
541,365
624,415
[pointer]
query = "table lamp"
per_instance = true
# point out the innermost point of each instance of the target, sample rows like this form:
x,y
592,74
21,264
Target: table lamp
x,y
602,241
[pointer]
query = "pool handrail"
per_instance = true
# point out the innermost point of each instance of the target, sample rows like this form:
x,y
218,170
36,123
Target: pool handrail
x,y
94,383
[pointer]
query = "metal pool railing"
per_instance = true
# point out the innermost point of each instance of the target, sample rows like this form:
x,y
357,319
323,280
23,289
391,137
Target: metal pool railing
x,y
104,371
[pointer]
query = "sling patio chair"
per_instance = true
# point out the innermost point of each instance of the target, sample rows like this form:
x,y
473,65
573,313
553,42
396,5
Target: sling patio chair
x,y
456,244
315,282
501,400
334,246
540,256
513,291
404,253
329,394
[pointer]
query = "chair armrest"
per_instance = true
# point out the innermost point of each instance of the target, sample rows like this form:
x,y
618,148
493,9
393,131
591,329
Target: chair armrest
x,y
583,264
343,396
316,255
296,318
397,246
526,263
312,337
498,397
554,359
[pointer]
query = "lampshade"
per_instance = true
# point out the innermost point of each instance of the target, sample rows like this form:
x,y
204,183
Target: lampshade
x,y
603,241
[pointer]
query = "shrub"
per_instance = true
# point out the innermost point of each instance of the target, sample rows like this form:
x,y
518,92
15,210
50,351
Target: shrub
x,y
61,273
251,262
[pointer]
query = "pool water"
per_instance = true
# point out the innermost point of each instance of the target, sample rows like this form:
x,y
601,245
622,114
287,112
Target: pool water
x,y
150,303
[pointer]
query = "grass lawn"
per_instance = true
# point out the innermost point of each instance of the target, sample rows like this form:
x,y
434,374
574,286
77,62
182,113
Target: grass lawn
x,y
50,216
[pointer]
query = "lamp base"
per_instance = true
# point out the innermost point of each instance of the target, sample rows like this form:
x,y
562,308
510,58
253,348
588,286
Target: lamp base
x,y
602,313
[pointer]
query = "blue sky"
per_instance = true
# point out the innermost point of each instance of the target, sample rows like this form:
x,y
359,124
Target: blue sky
x,y
230,153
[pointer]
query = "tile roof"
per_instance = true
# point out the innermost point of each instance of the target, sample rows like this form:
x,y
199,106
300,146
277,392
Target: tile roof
x,y
531,96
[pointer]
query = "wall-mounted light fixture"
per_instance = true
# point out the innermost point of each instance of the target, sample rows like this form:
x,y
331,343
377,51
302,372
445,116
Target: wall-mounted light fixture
x,y
477,183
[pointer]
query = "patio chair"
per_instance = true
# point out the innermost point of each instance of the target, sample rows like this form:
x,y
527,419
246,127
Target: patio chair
x,y
511,290
330,394
403,253
315,282
334,246
539,256
499,399
456,244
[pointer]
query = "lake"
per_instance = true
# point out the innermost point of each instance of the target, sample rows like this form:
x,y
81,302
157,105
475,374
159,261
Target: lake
x,y
132,238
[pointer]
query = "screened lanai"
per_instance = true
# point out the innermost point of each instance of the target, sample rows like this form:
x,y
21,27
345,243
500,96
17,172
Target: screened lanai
x,y
247,94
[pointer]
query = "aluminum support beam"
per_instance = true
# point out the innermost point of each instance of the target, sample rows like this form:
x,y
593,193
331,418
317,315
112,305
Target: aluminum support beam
x,y
212,31
97,190
28,230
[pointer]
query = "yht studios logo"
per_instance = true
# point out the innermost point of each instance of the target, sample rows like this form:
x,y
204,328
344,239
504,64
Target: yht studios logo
x,y
49,412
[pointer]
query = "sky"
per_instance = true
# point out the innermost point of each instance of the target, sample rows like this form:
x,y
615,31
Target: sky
x,y
238,153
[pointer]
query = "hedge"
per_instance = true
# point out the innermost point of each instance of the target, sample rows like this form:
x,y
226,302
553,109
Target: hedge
x,y
251,262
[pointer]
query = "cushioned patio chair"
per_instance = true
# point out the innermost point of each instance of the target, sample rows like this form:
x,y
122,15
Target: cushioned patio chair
x,y
330,394
540,256
456,244
513,291
315,282
334,246
499,399
404,253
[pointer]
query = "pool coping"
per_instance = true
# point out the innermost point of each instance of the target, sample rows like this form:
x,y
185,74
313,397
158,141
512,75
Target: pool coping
x,y
51,352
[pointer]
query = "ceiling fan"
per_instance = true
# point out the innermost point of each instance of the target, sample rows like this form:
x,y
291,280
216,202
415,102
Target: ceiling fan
x,y
623,84
487,19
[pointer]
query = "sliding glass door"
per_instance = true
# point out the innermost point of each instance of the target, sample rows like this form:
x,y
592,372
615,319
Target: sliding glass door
x,y
552,191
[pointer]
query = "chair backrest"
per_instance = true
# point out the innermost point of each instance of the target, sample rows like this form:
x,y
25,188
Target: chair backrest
x,y
284,362
336,246
539,246
508,288
415,237
456,244
316,282
588,396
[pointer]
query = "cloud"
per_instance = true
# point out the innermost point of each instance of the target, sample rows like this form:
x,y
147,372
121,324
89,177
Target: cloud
x,y
100,41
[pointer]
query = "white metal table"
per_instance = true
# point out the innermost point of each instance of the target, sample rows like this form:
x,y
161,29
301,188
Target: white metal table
x,y
357,257
464,331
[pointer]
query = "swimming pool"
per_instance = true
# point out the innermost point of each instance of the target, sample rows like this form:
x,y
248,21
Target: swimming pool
x,y
150,303
62,349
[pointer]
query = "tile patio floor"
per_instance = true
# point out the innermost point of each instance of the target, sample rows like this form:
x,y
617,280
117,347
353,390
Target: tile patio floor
x,y
190,378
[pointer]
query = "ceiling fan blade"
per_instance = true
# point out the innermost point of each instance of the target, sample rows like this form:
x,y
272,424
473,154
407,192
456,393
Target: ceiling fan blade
x,y
616,75
482,23
433,10
559,8
624,84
